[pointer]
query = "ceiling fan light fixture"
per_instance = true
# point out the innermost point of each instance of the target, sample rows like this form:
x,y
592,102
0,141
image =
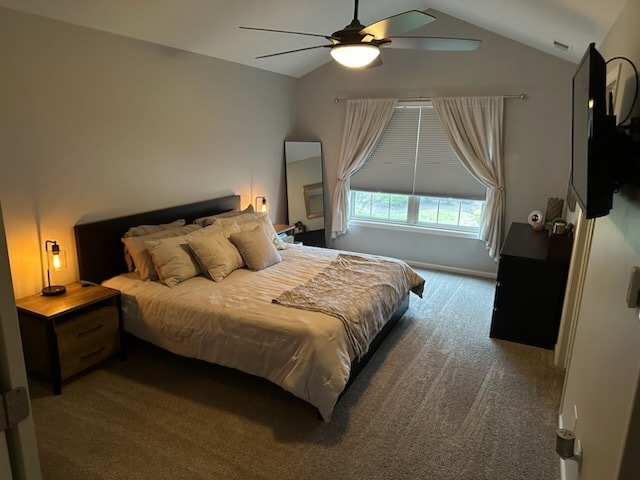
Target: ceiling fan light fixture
x,y
355,56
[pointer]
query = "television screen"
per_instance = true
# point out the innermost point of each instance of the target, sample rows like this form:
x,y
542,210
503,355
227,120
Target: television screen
x,y
593,136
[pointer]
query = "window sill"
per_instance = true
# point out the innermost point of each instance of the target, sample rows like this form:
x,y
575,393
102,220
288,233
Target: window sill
x,y
414,228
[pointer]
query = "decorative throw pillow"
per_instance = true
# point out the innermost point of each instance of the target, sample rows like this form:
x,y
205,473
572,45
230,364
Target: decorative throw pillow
x,y
261,218
172,259
217,256
206,221
256,248
141,260
141,230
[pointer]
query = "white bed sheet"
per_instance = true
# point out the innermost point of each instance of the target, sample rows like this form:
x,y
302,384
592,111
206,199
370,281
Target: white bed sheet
x,y
234,323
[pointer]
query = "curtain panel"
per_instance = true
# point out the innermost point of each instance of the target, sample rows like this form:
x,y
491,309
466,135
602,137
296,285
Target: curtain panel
x,y
365,121
474,127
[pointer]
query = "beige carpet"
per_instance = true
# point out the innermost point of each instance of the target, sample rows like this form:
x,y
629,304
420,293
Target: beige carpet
x,y
440,400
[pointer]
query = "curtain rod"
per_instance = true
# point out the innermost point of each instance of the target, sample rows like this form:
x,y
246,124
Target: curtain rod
x,y
521,96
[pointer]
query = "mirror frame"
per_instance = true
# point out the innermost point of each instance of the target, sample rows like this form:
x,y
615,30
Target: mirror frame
x,y
302,180
309,203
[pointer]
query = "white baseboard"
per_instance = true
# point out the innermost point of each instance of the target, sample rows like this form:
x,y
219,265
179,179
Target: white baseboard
x,y
445,268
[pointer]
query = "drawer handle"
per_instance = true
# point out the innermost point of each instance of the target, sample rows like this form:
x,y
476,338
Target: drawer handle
x,y
89,355
91,330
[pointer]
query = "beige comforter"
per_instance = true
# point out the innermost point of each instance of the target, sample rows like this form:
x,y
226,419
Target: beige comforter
x,y
360,291
235,323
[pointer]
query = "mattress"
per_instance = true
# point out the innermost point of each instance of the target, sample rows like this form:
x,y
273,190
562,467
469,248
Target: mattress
x,y
235,323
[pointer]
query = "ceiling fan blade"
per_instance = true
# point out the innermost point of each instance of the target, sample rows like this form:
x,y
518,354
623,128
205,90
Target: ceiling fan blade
x,y
434,43
293,51
398,24
288,31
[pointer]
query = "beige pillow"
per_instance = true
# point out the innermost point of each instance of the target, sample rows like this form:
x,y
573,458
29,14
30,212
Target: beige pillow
x,y
146,230
256,248
227,229
217,256
172,259
261,218
141,230
140,256
206,221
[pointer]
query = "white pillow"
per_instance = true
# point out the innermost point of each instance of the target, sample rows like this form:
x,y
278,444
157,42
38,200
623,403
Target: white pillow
x,y
141,260
217,256
256,248
172,259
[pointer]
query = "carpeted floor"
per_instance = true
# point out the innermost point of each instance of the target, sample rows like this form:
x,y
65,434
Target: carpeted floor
x,y
440,400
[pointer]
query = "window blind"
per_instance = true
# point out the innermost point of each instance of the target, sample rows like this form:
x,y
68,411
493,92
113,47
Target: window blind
x,y
413,157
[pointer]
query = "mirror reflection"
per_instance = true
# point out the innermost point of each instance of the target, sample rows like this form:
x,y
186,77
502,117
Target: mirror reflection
x,y
305,193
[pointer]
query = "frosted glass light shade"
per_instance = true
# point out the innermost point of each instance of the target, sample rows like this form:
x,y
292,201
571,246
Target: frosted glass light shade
x,y
355,56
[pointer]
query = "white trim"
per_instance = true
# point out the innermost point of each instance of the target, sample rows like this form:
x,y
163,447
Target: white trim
x,y
20,443
449,269
410,227
573,294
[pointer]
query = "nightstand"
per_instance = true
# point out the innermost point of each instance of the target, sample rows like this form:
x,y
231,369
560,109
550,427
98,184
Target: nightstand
x,y
284,231
64,335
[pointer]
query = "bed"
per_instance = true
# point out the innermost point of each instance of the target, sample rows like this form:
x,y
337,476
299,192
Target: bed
x,y
290,322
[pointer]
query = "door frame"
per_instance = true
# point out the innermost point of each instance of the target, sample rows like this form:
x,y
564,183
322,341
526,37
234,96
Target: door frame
x,y
17,443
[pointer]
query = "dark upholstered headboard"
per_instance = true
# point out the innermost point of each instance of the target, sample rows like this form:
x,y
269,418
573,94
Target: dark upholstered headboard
x,y
99,246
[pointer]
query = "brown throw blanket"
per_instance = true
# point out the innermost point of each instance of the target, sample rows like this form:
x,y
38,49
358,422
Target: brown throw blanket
x,y
361,291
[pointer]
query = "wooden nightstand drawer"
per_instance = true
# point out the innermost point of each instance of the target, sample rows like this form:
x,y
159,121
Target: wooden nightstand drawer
x,y
78,359
87,338
87,329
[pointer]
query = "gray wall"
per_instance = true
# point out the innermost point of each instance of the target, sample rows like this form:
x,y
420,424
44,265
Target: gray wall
x,y
537,130
603,376
95,125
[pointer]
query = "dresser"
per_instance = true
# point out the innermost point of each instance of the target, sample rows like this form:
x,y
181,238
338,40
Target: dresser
x,y
532,276
66,334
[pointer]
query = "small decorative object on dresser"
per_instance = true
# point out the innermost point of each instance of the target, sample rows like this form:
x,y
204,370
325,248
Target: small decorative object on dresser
x,y
554,208
536,220
68,333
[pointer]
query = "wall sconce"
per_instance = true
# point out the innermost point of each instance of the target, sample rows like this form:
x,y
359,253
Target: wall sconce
x,y
261,204
56,260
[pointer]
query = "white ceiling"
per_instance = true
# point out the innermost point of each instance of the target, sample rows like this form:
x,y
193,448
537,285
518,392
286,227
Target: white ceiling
x,y
210,27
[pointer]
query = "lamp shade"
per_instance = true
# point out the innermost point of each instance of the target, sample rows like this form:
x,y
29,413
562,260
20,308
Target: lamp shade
x,y
355,56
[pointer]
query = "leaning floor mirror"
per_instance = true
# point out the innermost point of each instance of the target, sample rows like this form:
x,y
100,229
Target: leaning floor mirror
x,y
305,192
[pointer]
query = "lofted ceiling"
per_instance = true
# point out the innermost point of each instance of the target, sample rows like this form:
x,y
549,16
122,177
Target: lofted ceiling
x,y
210,27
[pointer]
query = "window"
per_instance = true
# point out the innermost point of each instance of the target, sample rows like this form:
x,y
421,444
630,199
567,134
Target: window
x,y
414,177
451,214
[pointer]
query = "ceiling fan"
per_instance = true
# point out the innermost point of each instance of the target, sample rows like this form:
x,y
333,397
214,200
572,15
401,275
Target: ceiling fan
x,y
357,46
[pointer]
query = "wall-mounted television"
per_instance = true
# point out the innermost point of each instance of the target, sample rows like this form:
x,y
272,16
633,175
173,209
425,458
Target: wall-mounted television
x,y
594,156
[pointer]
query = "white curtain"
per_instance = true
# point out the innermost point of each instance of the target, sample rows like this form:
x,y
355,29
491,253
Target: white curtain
x,y
365,122
473,126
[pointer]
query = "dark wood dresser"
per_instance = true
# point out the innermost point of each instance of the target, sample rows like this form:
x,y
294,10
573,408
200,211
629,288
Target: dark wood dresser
x,y
532,276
